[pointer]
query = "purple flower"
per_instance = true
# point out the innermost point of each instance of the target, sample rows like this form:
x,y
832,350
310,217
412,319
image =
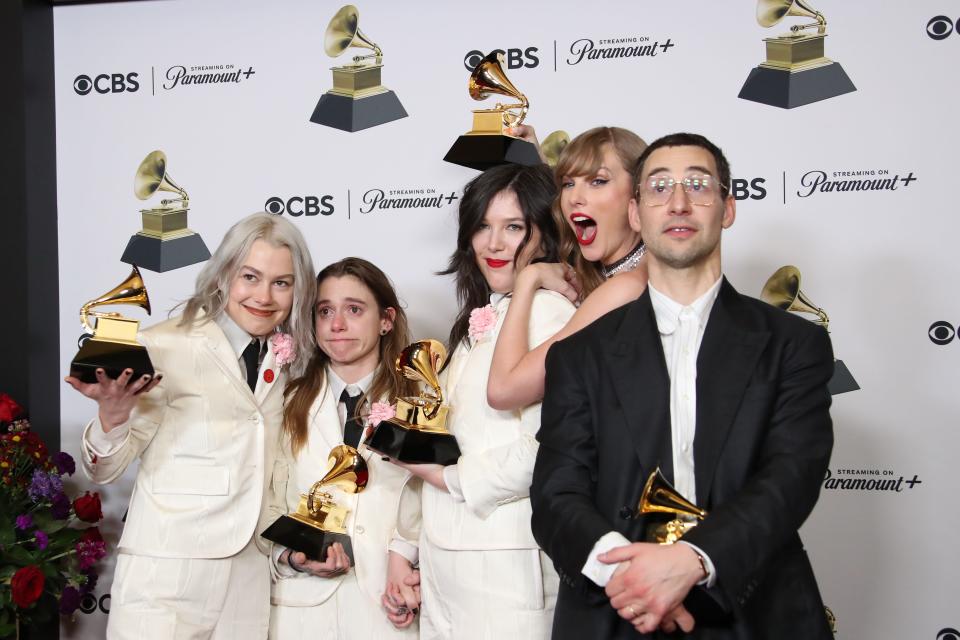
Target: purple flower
x,y
64,463
24,522
69,600
90,583
41,539
44,484
60,506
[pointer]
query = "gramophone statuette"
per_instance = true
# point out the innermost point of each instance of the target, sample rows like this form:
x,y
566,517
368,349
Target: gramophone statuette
x,y
488,143
418,432
782,290
319,520
165,242
796,71
659,496
357,100
111,344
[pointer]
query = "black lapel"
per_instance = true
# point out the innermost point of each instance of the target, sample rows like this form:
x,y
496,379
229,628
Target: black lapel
x,y
731,346
641,382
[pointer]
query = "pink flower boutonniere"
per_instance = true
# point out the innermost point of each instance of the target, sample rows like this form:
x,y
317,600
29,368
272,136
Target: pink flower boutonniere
x,y
283,348
482,321
380,411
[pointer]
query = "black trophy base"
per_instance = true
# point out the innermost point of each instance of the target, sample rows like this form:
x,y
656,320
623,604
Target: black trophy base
x,y
165,255
780,88
481,152
112,357
311,541
349,114
414,446
842,380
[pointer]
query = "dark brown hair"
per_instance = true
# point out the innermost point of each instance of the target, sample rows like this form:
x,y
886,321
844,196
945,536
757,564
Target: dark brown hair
x,y
387,382
535,191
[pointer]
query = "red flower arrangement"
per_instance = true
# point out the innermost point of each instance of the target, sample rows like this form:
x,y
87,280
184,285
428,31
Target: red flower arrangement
x,y
46,560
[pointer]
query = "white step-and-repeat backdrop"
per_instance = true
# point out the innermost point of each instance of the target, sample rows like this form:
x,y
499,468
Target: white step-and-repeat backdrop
x,y
226,89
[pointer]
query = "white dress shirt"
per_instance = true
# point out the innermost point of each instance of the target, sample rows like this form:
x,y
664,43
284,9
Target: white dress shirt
x,y
103,443
681,332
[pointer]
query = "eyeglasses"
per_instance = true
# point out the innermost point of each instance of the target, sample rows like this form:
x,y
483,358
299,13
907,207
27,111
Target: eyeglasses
x,y
701,189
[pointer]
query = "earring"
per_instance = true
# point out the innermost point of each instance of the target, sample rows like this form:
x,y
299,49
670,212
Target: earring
x,y
384,332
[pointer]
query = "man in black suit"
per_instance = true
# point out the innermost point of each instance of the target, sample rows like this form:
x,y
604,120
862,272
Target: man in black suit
x,y
726,394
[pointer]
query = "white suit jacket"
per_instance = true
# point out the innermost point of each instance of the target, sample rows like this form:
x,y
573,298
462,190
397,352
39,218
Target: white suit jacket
x,y
498,447
206,444
370,523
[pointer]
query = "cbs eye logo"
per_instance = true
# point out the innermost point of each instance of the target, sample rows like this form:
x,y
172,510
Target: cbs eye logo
x,y
942,332
948,634
939,28
515,58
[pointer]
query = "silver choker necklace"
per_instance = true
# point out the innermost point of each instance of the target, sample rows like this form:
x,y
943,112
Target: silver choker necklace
x,y
627,263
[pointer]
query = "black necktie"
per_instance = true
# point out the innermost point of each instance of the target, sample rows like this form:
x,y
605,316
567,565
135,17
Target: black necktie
x,y
251,360
351,428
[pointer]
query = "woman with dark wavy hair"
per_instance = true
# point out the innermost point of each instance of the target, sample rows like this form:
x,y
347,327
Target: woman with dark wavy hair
x,y
482,573
360,329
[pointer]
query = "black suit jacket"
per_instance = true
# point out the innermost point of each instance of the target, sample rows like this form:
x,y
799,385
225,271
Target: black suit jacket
x,y
762,445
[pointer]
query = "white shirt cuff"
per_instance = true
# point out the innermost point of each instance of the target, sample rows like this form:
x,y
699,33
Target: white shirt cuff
x,y
409,551
711,578
597,571
451,476
283,569
102,443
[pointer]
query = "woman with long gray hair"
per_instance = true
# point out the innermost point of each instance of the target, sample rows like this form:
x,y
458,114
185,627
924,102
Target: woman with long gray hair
x,y
205,429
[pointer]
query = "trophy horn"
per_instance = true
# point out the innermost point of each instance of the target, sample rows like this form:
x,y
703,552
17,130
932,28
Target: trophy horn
x,y
420,362
344,32
782,290
152,176
488,77
130,291
659,496
553,145
346,469
770,12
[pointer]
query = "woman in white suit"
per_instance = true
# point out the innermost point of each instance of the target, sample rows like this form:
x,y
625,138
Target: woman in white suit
x,y
359,325
206,437
482,573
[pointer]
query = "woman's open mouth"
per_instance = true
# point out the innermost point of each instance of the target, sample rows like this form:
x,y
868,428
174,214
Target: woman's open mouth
x,y
584,227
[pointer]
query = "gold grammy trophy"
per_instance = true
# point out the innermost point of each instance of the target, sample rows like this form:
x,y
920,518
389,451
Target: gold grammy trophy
x,y
319,520
488,144
782,290
659,496
112,344
357,100
796,71
418,432
553,145
165,242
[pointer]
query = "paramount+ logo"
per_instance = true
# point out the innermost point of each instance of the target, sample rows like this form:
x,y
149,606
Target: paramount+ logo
x,y
297,206
516,58
104,83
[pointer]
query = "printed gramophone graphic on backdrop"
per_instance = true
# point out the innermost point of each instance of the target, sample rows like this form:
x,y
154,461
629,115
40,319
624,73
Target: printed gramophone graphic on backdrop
x,y
112,344
782,290
165,242
796,71
319,520
418,432
488,144
357,100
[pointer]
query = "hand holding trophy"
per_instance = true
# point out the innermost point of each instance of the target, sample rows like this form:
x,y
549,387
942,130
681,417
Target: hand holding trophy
x,y
319,521
418,433
488,144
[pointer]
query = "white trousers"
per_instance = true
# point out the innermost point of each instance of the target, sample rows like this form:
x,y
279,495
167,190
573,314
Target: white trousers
x,y
486,595
349,614
190,598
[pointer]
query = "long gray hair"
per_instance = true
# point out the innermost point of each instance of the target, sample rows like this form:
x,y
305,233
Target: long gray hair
x,y
213,283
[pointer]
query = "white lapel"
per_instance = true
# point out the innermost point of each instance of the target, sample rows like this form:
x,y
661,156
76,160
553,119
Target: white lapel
x,y
217,347
268,370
